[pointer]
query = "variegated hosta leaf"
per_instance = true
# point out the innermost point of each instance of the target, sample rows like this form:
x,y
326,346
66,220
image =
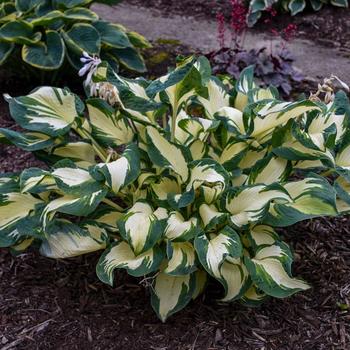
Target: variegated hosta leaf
x,y
123,171
309,198
141,227
35,180
166,186
268,271
261,235
253,297
342,162
232,154
120,255
108,218
182,258
51,111
216,97
65,240
233,122
180,230
275,114
171,293
9,183
21,246
108,127
14,207
250,204
211,217
208,172
244,84
82,205
81,153
199,128
213,252
201,281
342,187
234,278
29,141
130,94
269,170
166,154
73,180
178,85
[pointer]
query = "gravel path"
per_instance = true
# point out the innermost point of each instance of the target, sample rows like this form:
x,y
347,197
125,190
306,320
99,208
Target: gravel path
x,y
316,61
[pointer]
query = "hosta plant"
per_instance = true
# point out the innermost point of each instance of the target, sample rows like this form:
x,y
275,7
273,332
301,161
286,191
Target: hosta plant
x,y
180,179
47,33
257,7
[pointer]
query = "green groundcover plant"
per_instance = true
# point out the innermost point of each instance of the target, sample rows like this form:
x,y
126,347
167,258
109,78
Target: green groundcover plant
x,y
256,7
178,179
47,33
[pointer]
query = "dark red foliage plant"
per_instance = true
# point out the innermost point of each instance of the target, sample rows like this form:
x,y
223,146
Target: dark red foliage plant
x,y
272,66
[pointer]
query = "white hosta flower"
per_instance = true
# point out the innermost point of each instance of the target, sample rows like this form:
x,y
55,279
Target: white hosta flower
x,y
90,66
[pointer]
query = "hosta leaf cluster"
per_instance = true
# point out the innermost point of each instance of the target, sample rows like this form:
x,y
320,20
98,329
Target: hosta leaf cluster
x,y
180,179
257,7
46,33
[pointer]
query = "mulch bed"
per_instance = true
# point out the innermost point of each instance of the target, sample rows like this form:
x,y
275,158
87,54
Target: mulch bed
x,y
330,26
49,304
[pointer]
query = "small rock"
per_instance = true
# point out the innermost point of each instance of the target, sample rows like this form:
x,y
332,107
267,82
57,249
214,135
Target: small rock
x,y
4,340
218,336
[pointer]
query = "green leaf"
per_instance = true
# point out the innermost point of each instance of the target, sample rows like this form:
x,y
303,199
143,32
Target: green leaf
x,y
112,35
138,40
340,3
67,4
296,6
130,58
48,19
83,37
80,14
5,51
26,5
48,55
120,255
19,32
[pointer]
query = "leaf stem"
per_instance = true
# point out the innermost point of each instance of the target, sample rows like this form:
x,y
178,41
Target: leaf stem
x,y
173,122
112,204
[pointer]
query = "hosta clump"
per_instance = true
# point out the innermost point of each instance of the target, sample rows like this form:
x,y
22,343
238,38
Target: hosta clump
x,y
178,179
275,69
294,7
47,33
